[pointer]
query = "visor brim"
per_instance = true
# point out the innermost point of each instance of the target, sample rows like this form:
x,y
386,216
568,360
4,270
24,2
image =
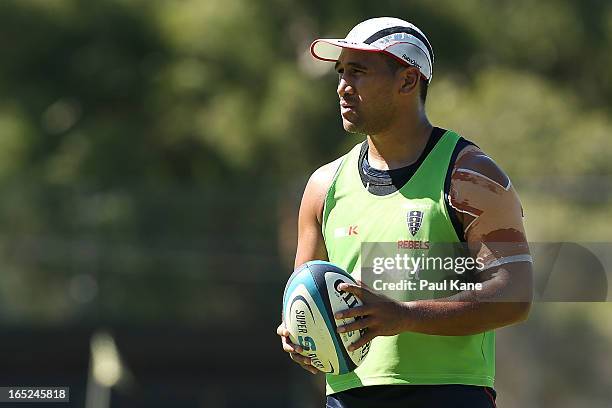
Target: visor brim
x,y
329,49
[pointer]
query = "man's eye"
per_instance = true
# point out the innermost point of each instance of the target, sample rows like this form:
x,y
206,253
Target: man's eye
x,y
351,71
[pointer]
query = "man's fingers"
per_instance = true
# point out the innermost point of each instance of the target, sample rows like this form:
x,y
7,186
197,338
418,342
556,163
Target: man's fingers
x,y
356,325
300,359
353,312
364,286
282,331
356,290
294,350
311,369
363,340
289,347
304,362
364,293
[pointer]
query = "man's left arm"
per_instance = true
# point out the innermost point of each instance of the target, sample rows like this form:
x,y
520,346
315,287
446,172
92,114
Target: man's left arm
x,y
491,214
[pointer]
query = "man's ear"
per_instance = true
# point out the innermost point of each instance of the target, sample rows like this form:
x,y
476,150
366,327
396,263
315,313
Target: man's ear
x,y
410,80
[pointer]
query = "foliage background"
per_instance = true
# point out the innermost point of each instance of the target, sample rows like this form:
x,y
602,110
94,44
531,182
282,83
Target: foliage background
x,y
153,154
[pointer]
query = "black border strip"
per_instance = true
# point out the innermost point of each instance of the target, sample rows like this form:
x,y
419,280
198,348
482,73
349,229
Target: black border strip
x,y
459,146
399,29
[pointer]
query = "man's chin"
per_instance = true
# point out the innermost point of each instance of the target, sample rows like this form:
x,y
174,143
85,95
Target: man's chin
x,y
350,126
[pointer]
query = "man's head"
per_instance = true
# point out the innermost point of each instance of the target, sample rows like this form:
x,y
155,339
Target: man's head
x,y
374,93
384,66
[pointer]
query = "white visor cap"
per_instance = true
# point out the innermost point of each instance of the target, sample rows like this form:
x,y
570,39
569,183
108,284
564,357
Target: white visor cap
x,y
393,36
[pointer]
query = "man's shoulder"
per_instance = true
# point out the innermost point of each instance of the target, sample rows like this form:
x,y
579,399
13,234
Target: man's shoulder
x,y
318,185
322,178
324,175
482,195
473,160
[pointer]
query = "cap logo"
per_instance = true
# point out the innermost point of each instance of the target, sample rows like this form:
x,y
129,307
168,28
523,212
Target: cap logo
x,y
391,38
399,29
411,61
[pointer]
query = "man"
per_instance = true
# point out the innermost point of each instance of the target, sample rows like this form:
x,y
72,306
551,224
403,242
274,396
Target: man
x,y
412,183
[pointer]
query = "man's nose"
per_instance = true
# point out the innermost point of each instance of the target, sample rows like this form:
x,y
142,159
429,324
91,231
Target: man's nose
x,y
344,88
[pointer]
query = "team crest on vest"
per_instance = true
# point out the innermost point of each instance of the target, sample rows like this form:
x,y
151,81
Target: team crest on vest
x,y
414,219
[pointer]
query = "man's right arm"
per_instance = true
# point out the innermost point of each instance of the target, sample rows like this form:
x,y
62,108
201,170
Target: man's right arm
x,y
310,244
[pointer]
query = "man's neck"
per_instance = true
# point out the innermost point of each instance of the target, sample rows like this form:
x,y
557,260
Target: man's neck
x,y
400,145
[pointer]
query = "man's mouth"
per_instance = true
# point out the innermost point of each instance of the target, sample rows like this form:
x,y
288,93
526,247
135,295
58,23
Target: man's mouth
x,y
346,107
348,112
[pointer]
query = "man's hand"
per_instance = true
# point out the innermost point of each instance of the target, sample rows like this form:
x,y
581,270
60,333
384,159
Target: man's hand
x,y
294,350
379,315
503,300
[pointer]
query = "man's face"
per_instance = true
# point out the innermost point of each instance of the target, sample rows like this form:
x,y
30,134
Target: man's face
x,y
367,91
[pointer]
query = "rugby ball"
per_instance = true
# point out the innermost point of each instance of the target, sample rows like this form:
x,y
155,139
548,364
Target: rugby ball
x,y
310,300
